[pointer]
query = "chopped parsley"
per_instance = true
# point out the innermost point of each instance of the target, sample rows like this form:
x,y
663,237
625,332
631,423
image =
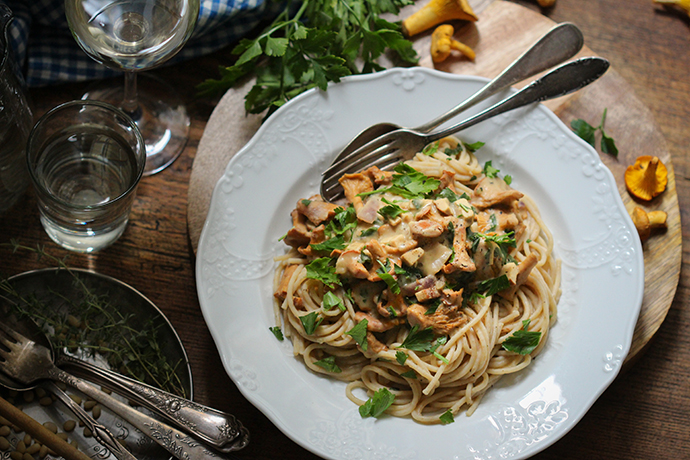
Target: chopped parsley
x,y
391,210
401,357
430,149
322,270
408,183
418,340
489,170
359,334
409,374
277,332
474,146
387,277
310,322
522,341
345,219
331,300
330,245
306,202
377,404
493,285
447,417
329,364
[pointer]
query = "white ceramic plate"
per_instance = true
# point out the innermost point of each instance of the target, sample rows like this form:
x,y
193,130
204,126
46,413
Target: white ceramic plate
x,y
603,273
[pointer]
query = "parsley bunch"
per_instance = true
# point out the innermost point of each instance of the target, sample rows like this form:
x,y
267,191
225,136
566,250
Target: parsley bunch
x,y
309,46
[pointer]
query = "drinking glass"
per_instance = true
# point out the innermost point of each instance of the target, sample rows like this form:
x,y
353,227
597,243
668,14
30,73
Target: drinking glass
x,y
133,35
85,160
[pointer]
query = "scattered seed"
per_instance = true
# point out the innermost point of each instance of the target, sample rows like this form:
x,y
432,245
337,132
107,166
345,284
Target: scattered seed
x,y
51,426
90,404
88,433
73,321
28,396
96,411
4,443
45,401
27,456
43,451
76,399
16,455
5,430
21,447
69,426
33,448
62,436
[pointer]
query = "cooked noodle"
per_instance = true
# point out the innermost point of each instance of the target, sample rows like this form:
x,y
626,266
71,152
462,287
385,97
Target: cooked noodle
x,y
467,355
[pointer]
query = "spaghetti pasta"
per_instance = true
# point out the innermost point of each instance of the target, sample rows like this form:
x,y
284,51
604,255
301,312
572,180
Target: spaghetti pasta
x,y
429,283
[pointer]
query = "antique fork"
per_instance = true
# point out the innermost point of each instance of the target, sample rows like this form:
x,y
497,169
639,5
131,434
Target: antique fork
x,y
402,144
27,362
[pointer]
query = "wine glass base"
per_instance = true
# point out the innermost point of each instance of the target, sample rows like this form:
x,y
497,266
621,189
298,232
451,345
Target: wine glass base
x,y
162,119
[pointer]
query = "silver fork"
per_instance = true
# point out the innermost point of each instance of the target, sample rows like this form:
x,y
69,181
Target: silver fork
x,y
390,149
28,362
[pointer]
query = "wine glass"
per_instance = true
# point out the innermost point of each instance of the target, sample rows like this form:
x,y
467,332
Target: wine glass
x,y
134,35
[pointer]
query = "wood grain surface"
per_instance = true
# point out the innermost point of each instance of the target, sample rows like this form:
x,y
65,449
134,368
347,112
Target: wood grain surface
x,y
503,32
645,413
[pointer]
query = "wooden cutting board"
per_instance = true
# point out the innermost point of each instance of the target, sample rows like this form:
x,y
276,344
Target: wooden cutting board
x,y
503,32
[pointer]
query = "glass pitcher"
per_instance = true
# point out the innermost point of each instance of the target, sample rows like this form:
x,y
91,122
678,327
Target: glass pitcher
x,y
16,120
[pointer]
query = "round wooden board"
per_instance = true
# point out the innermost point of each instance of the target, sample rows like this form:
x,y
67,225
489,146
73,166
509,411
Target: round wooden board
x,y
503,32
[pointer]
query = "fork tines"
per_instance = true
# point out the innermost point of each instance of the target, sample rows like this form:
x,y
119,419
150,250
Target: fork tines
x,y
382,152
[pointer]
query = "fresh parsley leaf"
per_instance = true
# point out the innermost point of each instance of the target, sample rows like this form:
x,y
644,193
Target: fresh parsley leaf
x,y
391,210
508,179
331,300
306,202
323,270
489,170
345,219
584,130
432,307
310,322
387,277
309,46
401,357
474,146
522,341
277,332
408,183
329,364
359,334
447,417
331,244
493,285
587,132
377,404
418,340
369,231
449,194
409,374
430,149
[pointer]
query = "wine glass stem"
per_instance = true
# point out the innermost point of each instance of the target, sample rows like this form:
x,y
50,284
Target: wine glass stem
x,y
130,104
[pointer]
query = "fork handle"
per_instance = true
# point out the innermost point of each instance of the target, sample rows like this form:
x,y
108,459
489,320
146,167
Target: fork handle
x,y
218,428
562,80
179,444
100,432
560,43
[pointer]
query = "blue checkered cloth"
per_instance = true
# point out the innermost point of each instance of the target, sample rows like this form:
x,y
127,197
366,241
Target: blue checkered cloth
x,y
47,52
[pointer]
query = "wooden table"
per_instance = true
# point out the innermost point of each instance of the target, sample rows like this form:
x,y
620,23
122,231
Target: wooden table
x,y
644,414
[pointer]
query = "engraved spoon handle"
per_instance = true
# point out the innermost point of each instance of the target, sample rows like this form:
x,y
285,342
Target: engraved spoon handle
x,y
100,432
179,444
211,425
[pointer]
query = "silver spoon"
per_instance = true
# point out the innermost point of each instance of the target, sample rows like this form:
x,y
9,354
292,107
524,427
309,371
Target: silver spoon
x,y
560,43
28,362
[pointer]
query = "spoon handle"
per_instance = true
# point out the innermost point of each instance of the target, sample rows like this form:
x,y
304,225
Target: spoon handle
x,y
218,428
100,432
560,43
179,444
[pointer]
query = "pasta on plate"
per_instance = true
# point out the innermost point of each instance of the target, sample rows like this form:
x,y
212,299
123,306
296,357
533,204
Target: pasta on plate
x,y
423,288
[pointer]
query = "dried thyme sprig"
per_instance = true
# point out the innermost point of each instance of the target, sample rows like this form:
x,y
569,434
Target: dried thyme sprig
x,y
95,328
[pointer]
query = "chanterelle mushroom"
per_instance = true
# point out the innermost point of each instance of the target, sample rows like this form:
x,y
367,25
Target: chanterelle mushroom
x,y
442,42
436,12
647,178
645,222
